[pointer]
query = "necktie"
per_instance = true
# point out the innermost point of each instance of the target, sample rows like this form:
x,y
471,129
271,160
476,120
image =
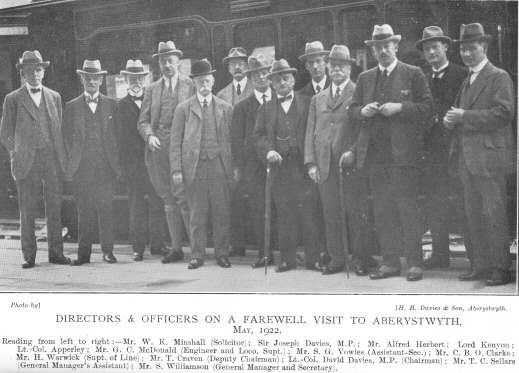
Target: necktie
x,y
286,98
35,90
204,103
470,77
264,97
90,100
170,89
317,88
238,89
337,92
137,98
436,74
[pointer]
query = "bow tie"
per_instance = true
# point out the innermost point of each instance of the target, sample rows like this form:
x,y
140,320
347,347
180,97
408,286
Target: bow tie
x,y
286,98
35,90
90,100
137,98
436,74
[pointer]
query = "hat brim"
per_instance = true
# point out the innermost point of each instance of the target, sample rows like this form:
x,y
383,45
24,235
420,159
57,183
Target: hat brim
x,y
211,72
125,72
176,52
258,69
351,61
484,37
303,57
291,70
45,64
396,38
445,39
228,58
83,72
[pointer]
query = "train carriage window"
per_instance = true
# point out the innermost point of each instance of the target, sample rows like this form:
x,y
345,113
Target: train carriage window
x,y
255,34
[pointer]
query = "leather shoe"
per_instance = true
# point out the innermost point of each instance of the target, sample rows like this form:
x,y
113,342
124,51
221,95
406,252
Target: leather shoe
x,y
474,275
414,274
384,271
109,258
317,266
59,260
173,256
436,261
138,257
158,251
223,262
360,269
27,264
498,277
260,263
284,266
329,270
195,263
80,261
324,259
237,251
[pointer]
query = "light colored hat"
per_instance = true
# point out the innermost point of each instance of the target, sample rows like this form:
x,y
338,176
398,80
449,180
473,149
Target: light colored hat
x,y
236,53
314,48
91,67
341,53
472,32
134,67
381,34
431,33
280,67
31,58
257,63
166,48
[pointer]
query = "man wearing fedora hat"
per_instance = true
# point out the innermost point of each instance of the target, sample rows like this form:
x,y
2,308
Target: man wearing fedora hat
x,y
392,104
91,139
482,154
201,159
134,170
32,133
315,63
156,116
279,135
248,168
444,79
328,134
237,90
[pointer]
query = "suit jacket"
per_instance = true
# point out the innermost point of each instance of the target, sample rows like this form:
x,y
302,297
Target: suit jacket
x,y
74,128
131,144
308,89
328,131
242,143
186,134
229,95
485,133
407,127
16,129
265,128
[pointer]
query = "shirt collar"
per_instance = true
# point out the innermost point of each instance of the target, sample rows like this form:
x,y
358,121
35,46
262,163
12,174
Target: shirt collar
x,y
201,98
342,86
139,94
442,67
321,83
259,95
290,93
29,87
242,83
476,69
389,68
93,96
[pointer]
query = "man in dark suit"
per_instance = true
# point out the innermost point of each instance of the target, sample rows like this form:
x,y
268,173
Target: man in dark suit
x,y
160,101
134,170
483,153
444,79
392,103
90,136
279,135
200,156
315,63
328,134
248,169
31,132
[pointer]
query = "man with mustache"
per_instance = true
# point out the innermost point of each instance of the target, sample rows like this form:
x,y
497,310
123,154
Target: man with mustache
x,y
392,104
445,79
315,63
483,153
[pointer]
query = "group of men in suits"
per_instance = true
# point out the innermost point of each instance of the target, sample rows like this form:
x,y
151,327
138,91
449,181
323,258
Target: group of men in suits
x,y
199,155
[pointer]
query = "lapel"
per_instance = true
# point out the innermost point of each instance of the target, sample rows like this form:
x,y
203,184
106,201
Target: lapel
x,y
478,85
396,80
128,101
156,91
80,117
346,92
371,81
183,89
51,109
28,103
218,110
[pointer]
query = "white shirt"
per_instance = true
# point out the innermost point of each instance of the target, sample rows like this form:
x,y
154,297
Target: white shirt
x,y
286,104
92,105
443,67
208,98
477,69
321,84
242,83
173,81
138,94
259,95
389,68
341,87
36,97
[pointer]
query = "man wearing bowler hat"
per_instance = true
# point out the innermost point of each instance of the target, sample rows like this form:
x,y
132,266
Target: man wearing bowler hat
x,y
201,159
237,90
134,170
315,63
328,134
91,140
32,133
160,100
392,104
444,79
279,135
248,169
482,154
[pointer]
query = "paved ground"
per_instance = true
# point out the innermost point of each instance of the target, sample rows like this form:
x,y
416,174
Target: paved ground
x,y
153,276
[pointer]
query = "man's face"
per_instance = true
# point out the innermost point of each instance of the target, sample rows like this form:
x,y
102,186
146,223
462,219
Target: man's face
x,y
283,84
473,52
237,68
135,82
435,52
169,65
259,80
385,53
204,84
33,74
339,71
316,66
91,82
